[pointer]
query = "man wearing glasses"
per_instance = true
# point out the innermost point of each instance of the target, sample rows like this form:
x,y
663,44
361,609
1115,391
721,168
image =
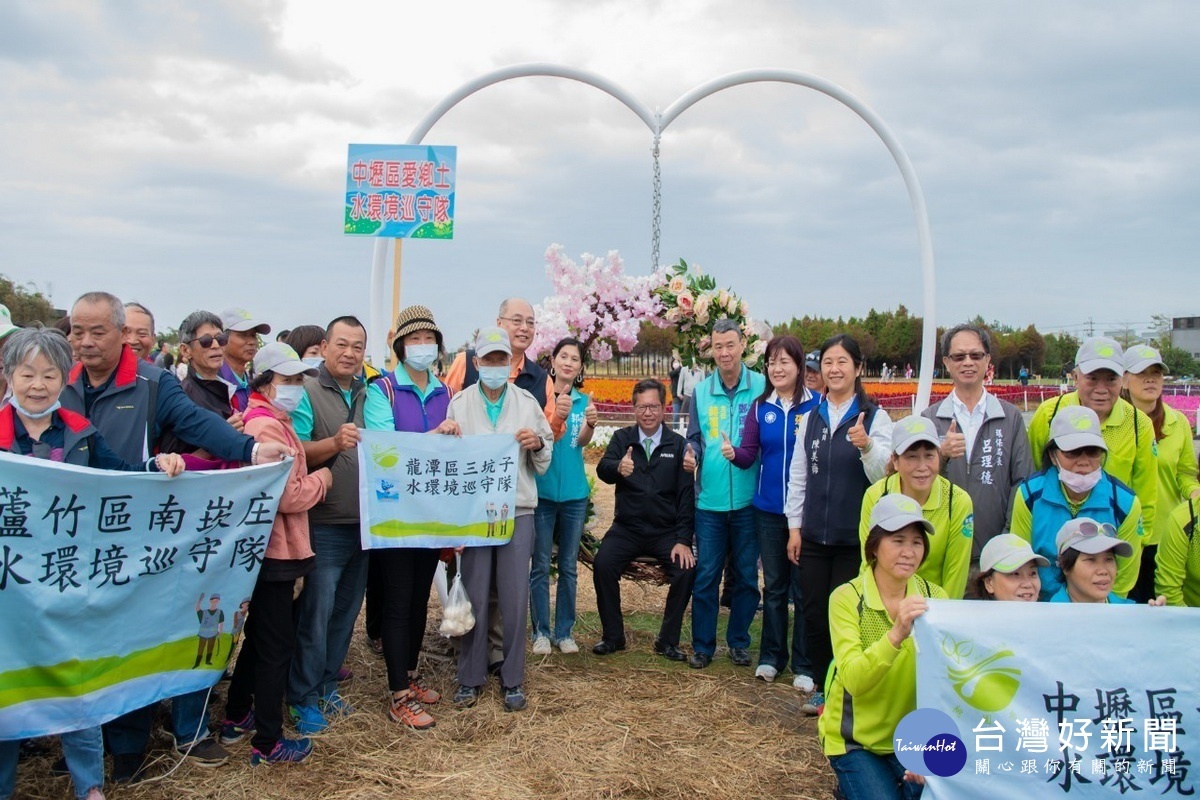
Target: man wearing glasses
x,y
984,447
201,333
655,510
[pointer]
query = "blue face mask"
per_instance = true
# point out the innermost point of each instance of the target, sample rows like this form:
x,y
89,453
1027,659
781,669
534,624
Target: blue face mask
x,y
493,377
287,397
313,361
29,414
420,356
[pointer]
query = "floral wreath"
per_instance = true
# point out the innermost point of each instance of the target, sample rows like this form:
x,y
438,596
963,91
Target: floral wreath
x,y
693,303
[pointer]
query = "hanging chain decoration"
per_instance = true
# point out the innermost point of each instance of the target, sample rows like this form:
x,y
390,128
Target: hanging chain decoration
x,y
655,208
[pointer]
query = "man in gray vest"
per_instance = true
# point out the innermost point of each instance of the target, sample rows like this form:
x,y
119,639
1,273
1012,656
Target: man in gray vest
x,y
327,421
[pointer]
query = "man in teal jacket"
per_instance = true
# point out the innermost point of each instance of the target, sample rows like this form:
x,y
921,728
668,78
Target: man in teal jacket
x,y
724,514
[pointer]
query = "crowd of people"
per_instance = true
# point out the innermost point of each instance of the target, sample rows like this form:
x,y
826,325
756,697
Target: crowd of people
x,y
853,520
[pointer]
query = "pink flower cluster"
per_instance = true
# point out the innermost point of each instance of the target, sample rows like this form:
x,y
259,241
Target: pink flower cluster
x,y
597,303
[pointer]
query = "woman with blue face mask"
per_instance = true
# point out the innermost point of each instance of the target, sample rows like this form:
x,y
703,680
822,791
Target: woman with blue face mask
x,y
413,400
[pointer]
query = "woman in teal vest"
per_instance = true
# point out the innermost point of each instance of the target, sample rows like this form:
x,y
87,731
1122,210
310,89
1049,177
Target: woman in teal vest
x,y
561,512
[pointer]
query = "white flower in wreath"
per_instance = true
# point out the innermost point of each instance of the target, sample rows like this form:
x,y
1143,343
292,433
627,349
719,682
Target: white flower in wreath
x,y
677,284
673,315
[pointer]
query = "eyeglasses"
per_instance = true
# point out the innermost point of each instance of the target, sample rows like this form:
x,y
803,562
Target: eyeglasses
x,y
206,341
958,358
521,322
648,409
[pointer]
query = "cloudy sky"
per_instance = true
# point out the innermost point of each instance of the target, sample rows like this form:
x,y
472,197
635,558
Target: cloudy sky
x,y
192,154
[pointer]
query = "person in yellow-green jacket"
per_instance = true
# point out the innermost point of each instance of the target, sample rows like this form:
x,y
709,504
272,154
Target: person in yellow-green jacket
x,y
872,683
915,463
1177,576
1144,373
1128,432
1075,486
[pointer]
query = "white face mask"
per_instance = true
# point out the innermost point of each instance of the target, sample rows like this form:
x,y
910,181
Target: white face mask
x,y
493,377
287,398
313,361
419,356
39,415
1080,484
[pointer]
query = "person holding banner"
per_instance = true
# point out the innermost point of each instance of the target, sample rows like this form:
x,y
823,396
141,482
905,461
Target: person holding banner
x,y
1087,558
33,423
410,399
915,463
1008,570
1177,573
1075,485
847,440
872,683
255,704
1143,382
562,505
496,407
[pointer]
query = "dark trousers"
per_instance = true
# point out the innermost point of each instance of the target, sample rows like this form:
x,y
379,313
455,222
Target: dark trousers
x,y
374,599
617,549
1143,590
781,582
823,568
405,577
261,675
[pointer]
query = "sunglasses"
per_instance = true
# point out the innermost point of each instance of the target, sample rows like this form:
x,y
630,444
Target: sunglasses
x,y
958,358
206,341
1088,529
1091,451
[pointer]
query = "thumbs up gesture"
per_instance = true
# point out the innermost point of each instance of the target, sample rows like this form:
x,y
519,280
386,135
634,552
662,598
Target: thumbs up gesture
x,y
726,446
562,405
858,433
590,416
954,444
689,460
625,467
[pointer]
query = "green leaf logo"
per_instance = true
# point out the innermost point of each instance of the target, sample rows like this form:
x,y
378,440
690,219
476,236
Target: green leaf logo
x,y
984,682
386,457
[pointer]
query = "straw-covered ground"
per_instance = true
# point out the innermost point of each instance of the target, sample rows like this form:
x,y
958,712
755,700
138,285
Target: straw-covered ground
x,y
630,725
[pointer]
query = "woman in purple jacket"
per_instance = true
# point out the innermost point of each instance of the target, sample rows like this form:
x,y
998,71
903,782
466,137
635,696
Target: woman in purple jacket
x,y
767,443
410,399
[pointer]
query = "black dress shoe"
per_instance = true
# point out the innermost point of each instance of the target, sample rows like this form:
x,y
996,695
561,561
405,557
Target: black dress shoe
x,y
128,768
669,651
605,647
699,660
740,656
495,667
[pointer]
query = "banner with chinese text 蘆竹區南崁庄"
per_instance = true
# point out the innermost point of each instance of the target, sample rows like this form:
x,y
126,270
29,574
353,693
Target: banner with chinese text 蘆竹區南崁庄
x,y
119,589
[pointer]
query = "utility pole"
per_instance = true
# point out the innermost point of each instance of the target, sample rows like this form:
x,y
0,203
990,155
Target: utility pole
x,y
1091,328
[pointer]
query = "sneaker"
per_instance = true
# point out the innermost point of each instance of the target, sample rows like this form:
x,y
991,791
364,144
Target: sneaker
x,y
514,698
286,751
421,691
568,646
804,683
233,731
204,753
766,672
407,710
814,705
333,705
541,646
308,719
466,696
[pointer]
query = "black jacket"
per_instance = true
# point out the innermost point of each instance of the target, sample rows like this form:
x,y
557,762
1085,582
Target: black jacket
x,y
659,498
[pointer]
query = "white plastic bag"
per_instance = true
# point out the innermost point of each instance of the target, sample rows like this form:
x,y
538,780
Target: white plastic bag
x,y
457,616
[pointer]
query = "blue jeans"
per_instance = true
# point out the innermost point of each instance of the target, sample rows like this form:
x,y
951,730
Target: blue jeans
x,y
718,533
84,751
565,518
866,776
326,612
781,581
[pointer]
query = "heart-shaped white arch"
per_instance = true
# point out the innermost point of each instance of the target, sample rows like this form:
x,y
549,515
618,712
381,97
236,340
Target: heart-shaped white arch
x,y
657,123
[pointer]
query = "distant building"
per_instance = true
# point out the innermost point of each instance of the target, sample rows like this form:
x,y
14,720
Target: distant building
x,y
1185,335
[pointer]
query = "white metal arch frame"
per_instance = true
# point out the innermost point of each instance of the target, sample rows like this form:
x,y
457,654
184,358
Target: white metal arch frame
x,y
657,123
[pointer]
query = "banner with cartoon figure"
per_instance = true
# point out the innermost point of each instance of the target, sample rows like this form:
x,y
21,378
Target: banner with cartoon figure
x,y
422,490
1054,699
119,589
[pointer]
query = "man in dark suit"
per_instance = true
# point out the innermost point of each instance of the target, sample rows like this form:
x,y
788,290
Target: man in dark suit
x,y
655,511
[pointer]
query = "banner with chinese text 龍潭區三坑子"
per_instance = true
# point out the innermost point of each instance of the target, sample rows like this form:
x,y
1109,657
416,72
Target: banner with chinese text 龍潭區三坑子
x,y
1055,699
119,589
421,490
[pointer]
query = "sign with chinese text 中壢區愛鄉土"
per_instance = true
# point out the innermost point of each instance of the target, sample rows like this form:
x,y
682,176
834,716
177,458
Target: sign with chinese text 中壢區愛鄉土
x,y
418,490
400,191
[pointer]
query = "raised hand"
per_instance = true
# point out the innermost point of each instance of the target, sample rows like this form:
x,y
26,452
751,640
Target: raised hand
x,y
562,405
954,444
689,459
625,467
726,447
858,433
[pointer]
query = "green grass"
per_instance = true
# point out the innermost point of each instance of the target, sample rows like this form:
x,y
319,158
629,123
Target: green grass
x,y
76,678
